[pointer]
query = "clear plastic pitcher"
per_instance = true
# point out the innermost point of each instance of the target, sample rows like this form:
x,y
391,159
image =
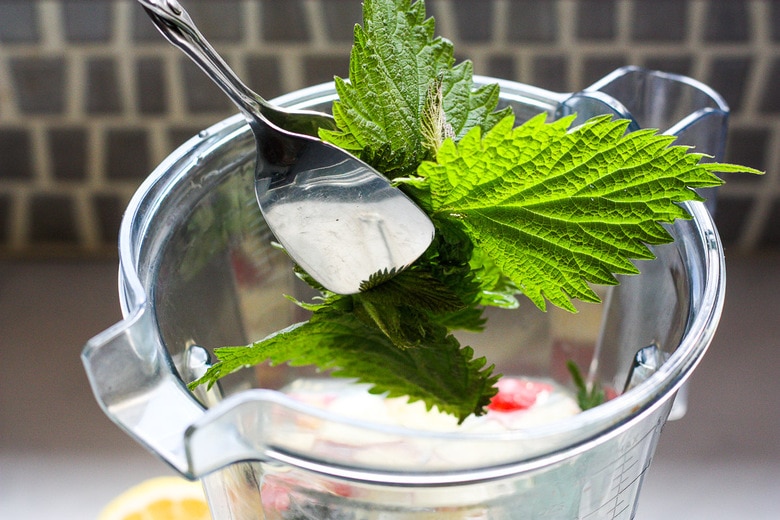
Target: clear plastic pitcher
x,y
198,271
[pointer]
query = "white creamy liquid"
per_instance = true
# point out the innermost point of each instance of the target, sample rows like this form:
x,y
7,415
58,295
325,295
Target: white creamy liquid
x,y
552,403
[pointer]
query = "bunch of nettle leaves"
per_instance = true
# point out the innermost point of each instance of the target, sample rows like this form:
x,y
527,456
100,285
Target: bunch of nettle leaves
x,y
540,209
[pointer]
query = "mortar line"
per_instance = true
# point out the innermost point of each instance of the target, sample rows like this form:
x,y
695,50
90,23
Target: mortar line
x,y
50,24
762,59
41,164
500,20
126,60
251,24
696,21
87,229
314,18
567,12
8,98
20,218
446,25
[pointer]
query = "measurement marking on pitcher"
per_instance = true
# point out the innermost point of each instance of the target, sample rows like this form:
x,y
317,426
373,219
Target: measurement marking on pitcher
x,y
616,506
620,505
626,473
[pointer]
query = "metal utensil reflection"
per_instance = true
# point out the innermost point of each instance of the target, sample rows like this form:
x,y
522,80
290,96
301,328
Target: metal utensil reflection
x,y
337,217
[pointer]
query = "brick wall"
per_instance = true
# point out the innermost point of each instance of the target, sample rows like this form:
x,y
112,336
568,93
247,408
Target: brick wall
x,y
92,97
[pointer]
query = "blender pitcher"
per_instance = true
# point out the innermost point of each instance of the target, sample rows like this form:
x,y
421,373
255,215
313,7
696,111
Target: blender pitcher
x,y
198,270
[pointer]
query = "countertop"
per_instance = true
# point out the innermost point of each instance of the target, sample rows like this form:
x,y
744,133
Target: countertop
x,y
60,457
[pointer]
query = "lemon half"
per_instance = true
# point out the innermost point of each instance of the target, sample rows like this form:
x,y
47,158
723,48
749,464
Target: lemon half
x,y
161,498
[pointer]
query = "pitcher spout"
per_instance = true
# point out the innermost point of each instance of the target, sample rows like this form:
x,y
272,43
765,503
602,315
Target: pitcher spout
x,y
135,384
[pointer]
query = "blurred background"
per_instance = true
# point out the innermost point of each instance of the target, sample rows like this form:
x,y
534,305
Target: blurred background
x,y
92,98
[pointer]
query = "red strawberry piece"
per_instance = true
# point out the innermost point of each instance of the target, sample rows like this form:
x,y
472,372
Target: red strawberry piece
x,y
517,394
275,494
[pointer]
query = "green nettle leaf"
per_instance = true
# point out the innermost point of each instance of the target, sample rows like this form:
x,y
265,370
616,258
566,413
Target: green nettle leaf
x,y
587,396
556,209
540,209
384,112
441,374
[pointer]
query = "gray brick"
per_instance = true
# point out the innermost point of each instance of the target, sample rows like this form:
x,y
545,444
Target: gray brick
x,y
102,92
727,21
151,86
659,20
340,17
551,72
532,21
18,23
68,153
5,218
728,77
747,146
263,75
501,66
127,154
459,57
320,69
774,20
87,20
674,64
474,20
596,67
142,28
15,154
109,210
770,99
283,21
177,135
201,95
39,84
52,219
218,21
730,217
770,237
595,20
